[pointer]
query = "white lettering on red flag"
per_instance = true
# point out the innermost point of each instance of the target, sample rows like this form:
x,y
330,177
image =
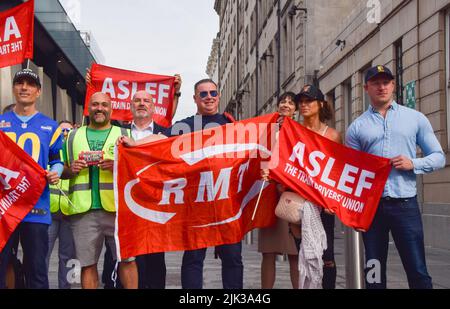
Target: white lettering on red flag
x,y
16,34
344,180
122,85
194,191
22,182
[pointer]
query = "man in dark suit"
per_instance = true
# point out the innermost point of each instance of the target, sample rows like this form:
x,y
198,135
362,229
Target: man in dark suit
x,y
151,267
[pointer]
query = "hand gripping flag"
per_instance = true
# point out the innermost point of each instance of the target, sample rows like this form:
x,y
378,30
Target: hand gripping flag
x,y
336,177
121,85
16,34
194,191
22,182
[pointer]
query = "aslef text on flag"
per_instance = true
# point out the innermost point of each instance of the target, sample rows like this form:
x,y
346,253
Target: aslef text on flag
x,y
333,176
122,85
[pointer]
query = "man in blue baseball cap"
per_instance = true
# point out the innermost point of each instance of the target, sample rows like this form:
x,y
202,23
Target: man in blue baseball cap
x,y
378,71
393,131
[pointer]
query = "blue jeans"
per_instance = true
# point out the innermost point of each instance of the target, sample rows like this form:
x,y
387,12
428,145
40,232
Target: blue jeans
x,y
60,228
34,240
152,271
403,218
232,267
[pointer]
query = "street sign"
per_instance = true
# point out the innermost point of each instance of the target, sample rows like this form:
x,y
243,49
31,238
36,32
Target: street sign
x,y
411,94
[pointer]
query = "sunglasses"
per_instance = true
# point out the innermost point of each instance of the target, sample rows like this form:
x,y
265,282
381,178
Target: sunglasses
x,y
212,93
66,130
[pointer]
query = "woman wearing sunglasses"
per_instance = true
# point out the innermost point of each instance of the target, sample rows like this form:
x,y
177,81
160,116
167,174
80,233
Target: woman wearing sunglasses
x,y
316,112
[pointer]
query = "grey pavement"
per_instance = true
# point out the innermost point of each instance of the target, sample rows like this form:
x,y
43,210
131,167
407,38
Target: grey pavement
x,y
438,262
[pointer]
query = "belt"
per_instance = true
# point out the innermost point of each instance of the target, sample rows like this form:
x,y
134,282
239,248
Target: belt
x,y
39,212
393,199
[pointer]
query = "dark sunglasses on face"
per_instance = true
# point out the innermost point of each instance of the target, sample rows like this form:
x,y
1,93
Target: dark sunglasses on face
x,y
66,130
212,93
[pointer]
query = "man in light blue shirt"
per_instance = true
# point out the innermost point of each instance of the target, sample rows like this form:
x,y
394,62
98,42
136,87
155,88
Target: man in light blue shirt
x,y
393,131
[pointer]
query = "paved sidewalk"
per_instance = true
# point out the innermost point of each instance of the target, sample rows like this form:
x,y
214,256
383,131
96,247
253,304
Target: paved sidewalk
x,y
438,265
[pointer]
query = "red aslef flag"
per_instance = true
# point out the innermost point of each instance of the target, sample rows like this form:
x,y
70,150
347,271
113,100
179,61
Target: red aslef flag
x,y
336,177
194,191
22,182
16,34
121,85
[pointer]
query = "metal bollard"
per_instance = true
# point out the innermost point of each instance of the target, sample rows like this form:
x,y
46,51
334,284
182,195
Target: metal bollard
x,y
354,259
249,238
281,258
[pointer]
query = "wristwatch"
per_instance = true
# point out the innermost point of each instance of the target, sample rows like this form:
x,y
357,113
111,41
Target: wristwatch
x,y
178,94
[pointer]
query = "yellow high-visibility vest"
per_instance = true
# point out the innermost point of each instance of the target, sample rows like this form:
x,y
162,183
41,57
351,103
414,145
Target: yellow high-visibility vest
x,y
80,186
57,200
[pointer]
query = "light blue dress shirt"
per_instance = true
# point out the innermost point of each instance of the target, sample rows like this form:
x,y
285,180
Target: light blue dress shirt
x,y
399,133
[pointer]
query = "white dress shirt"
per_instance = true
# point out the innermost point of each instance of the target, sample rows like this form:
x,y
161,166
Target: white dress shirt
x,y
138,134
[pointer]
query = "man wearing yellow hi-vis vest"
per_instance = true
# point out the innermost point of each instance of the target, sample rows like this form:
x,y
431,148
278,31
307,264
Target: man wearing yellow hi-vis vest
x,y
60,227
89,156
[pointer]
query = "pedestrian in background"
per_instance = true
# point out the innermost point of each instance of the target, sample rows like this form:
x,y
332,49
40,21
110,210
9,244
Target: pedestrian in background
x,y
60,227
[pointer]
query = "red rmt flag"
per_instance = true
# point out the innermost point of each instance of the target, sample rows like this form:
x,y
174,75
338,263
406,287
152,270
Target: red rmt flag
x,y
194,191
336,177
16,34
22,182
121,85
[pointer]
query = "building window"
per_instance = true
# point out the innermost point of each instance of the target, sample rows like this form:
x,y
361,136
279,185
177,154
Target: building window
x,y
287,46
399,71
365,96
348,102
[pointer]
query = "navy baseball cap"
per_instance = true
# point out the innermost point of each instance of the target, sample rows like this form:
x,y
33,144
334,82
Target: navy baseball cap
x,y
378,70
310,92
27,74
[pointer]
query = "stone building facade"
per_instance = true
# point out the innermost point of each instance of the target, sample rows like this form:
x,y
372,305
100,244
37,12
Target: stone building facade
x,y
411,37
267,47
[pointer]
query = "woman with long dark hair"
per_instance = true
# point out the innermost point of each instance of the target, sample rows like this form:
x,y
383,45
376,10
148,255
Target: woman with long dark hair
x,y
316,112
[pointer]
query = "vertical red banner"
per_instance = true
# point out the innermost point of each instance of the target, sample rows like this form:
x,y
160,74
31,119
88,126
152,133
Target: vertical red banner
x,y
16,34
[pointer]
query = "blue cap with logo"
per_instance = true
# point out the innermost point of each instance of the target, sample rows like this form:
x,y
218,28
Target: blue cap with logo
x,y
378,70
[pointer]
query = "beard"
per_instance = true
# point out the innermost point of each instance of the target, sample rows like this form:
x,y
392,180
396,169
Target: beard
x,y
99,122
